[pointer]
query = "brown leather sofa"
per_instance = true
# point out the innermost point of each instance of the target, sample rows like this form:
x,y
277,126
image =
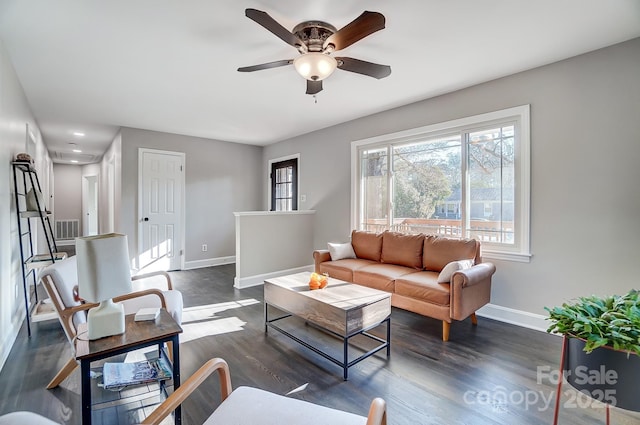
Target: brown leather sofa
x,y
409,266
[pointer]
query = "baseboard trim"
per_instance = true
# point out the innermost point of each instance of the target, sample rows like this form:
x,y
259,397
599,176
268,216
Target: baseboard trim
x,y
246,282
66,242
521,318
198,264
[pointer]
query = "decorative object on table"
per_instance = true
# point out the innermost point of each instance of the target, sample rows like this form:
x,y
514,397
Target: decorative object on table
x,y
103,273
35,200
318,281
24,157
118,375
147,313
601,348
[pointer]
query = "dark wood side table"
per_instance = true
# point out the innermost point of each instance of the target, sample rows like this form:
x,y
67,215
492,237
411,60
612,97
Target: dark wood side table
x,y
137,335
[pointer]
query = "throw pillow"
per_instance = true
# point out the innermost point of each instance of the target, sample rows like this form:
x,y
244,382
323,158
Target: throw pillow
x,y
339,251
451,268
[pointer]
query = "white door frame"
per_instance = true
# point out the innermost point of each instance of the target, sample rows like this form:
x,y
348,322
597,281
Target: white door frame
x,y
181,248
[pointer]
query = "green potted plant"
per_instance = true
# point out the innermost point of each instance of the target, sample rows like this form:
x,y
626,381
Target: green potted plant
x,y
601,353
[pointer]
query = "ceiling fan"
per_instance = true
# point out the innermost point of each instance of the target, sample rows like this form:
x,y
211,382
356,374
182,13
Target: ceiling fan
x,y
316,41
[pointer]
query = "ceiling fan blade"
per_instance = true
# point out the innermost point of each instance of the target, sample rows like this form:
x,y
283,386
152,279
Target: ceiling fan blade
x,y
264,19
267,65
363,67
364,25
314,87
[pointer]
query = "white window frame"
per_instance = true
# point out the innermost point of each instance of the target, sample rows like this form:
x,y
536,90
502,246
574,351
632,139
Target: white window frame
x,y
521,250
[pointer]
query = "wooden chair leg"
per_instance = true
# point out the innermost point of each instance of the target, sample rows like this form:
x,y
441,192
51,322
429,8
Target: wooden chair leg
x,y
445,330
474,319
66,370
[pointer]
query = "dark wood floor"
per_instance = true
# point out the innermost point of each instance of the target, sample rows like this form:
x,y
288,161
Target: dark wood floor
x,y
484,375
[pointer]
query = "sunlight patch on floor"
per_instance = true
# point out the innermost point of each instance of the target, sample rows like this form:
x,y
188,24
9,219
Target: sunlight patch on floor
x,y
192,331
209,311
204,320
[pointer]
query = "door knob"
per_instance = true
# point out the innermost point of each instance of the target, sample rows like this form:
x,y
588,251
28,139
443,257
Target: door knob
x,y
146,219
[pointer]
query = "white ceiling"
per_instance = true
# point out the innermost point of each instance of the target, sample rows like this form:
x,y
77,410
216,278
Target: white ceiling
x,y
96,65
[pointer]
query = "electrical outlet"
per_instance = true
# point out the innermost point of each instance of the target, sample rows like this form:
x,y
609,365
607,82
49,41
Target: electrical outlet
x,y
204,247
303,198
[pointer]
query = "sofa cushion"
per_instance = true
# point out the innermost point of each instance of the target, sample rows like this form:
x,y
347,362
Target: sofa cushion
x,y
451,268
338,251
343,269
423,286
439,251
402,249
380,276
367,245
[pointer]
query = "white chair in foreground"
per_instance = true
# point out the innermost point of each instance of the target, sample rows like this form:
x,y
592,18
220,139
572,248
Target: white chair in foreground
x,y
24,418
60,281
251,406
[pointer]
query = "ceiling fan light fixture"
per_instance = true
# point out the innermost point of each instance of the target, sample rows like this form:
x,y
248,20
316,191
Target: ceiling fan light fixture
x,y
315,66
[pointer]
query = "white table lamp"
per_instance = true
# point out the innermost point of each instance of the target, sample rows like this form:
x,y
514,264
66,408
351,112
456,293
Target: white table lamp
x,y
103,273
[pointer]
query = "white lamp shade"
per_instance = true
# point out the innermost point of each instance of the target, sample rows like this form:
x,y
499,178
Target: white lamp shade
x,y
103,267
315,66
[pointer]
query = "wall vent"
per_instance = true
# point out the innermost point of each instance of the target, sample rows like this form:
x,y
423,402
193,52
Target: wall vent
x,y
67,229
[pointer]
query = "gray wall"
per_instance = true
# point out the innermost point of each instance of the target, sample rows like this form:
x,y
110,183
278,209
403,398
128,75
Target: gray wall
x,y
14,115
271,242
68,193
585,150
221,178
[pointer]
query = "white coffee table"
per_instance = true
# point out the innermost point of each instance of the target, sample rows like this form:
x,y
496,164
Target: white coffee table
x,y
343,309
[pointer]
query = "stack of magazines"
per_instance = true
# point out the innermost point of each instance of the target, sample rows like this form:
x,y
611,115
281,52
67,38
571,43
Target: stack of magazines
x,y
117,375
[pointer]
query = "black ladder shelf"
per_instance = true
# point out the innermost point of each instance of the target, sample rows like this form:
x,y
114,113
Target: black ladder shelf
x,y
31,262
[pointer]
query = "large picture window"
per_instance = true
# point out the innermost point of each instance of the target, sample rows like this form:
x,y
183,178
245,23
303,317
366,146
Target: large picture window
x,y
467,178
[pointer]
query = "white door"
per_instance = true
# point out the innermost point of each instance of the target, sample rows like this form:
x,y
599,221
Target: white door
x,y
89,205
161,188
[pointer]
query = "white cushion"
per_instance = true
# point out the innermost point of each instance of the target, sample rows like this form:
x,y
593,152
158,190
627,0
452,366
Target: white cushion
x,y
64,274
338,251
24,418
251,406
451,268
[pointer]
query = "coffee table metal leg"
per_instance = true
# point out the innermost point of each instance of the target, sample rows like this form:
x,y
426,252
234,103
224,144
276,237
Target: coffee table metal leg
x,y
388,336
345,364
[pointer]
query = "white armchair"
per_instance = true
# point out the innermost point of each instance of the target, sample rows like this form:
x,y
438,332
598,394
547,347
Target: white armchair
x,y
61,281
250,406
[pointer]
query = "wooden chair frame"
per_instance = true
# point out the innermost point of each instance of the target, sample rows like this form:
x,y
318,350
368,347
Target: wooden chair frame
x,y
65,315
377,412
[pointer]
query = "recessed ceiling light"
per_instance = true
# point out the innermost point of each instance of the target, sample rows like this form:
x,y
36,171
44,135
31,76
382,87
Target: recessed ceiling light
x,y
74,161
78,133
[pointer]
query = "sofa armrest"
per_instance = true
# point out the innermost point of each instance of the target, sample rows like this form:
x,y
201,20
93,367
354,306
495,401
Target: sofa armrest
x,y
320,256
474,275
470,290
